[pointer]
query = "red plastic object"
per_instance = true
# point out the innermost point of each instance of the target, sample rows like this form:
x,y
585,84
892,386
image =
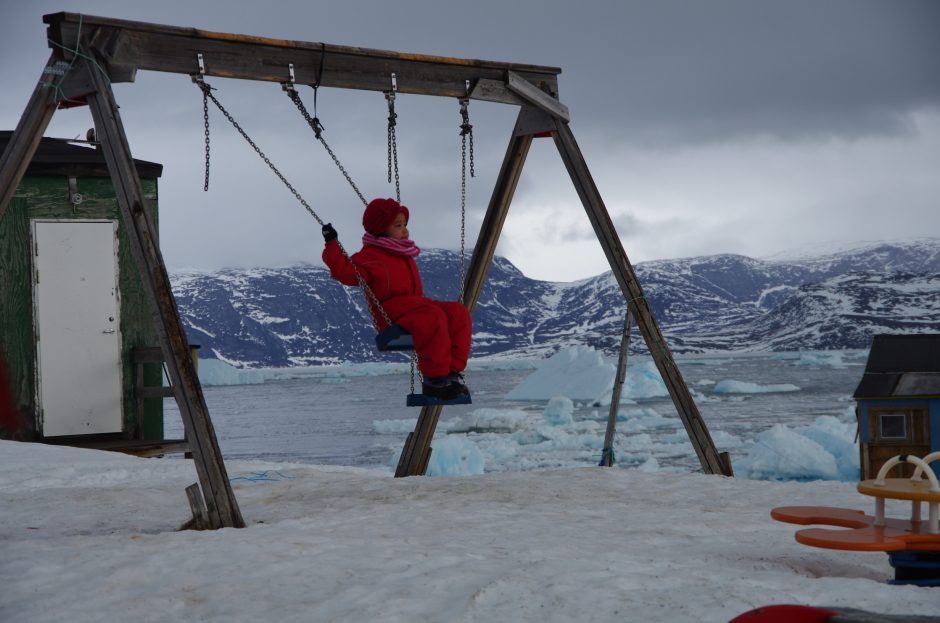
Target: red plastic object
x,y
785,614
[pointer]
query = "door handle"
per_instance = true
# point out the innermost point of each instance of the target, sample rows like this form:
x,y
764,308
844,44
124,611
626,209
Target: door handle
x,y
108,331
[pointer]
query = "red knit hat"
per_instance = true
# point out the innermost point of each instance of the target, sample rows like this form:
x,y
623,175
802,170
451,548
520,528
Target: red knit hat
x,y
380,214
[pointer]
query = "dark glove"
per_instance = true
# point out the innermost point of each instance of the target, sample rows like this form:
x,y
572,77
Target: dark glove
x,y
329,233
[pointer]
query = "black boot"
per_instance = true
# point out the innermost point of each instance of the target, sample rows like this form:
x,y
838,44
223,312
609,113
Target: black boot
x,y
442,388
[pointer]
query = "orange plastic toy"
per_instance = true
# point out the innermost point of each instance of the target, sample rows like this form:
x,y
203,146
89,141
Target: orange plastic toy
x,y
867,533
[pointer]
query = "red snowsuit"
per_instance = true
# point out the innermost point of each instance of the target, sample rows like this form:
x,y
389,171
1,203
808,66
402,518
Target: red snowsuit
x,y
440,329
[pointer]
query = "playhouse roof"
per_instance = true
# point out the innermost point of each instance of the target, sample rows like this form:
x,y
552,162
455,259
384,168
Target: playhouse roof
x,y
57,156
902,366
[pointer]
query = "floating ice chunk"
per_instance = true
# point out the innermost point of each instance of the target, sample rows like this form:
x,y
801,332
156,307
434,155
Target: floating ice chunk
x,y
217,372
578,372
829,359
838,438
372,368
584,374
643,381
559,411
502,364
486,421
646,419
455,456
725,441
394,427
782,453
731,386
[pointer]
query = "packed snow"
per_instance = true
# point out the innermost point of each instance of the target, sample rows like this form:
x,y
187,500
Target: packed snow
x,y
91,536
507,530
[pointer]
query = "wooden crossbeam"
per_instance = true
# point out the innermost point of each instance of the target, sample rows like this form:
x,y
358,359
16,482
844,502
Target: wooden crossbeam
x,y
128,46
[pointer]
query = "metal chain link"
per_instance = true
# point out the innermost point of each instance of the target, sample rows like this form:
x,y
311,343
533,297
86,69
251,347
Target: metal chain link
x,y
393,143
472,171
318,128
205,117
466,129
207,92
463,217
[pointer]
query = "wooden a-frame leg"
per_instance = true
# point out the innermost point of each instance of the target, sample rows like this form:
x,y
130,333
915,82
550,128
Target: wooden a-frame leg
x,y
623,271
607,458
221,505
32,125
416,453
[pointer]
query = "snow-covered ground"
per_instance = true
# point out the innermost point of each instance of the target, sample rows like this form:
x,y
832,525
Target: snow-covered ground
x,y
91,536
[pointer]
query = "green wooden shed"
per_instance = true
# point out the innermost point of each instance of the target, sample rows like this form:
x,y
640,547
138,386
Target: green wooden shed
x,y
76,331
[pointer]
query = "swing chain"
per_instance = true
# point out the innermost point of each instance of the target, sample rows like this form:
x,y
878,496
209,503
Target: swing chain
x,y
312,121
317,127
466,129
367,291
393,139
198,80
414,358
205,117
207,93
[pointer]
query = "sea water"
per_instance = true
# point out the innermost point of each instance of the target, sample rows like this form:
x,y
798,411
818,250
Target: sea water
x,y
749,402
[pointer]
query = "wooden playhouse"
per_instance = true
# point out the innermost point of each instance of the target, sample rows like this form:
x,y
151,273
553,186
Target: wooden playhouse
x,y
899,401
899,430
76,331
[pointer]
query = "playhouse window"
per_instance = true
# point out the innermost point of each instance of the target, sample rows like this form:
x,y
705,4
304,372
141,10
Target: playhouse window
x,y
893,426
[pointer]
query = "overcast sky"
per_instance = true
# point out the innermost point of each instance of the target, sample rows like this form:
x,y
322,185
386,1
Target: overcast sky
x,y
745,126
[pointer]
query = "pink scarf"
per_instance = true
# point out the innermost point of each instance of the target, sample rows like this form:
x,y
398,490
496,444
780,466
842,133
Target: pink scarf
x,y
404,247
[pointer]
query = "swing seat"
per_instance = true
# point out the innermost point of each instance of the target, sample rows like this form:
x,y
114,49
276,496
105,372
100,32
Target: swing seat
x,y
420,400
394,337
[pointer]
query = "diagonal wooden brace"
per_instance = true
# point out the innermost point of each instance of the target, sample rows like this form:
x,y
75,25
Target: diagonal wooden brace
x,y
222,509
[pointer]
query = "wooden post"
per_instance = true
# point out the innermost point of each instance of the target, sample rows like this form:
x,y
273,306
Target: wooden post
x,y
416,453
220,501
633,293
607,458
33,123
200,518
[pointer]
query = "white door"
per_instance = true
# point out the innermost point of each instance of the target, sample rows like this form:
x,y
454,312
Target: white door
x,y
75,280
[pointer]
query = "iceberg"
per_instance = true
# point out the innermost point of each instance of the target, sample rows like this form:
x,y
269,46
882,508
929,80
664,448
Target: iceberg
x,y
823,450
584,374
455,456
559,411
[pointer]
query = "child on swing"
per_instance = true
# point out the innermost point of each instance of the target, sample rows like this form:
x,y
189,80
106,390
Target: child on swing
x,y
440,329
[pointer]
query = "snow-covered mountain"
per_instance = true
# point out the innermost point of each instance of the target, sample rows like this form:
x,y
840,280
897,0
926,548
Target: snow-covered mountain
x,y
299,316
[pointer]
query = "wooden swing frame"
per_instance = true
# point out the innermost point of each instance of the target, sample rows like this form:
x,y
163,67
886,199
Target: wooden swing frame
x,y
91,53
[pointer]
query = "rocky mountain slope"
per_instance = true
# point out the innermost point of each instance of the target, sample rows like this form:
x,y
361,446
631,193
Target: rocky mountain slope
x,y
298,315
